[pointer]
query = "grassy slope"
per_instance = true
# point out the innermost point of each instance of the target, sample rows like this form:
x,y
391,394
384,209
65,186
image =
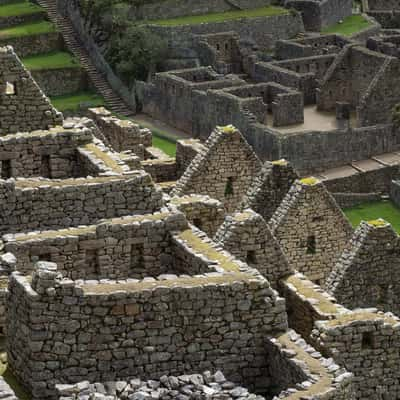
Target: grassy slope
x,y
167,145
30,29
19,8
71,102
352,24
370,211
221,17
54,60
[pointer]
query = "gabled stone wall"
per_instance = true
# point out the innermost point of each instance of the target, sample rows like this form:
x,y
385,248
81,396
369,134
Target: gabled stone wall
x,y
246,235
24,107
311,229
367,273
223,171
269,188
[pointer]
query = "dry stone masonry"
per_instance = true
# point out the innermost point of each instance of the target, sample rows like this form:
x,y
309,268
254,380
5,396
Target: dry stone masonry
x,y
219,273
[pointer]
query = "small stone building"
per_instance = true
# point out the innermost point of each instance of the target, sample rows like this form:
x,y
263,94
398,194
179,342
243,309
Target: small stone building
x,y
368,272
223,170
246,235
311,229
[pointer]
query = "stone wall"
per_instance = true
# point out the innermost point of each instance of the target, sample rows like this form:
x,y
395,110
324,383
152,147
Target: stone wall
x,y
384,4
142,329
203,212
395,192
30,45
122,135
377,180
292,363
132,247
170,96
302,74
50,204
320,14
309,46
387,19
246,235
368,345
269,188
186,151
311,229
49,154
371,93
264,31
176,8
61,81
366,273
306,303
223,171
24,107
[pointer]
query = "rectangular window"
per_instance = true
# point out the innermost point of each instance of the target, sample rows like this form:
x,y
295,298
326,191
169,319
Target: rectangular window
x,y
229,191
92,264
367,340
137,260
6,169
45,167
311,245
251,257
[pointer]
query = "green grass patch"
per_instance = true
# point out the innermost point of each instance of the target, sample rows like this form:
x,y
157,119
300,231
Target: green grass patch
x,y
72,102
165,144
19,8
352,24
221,17
54,60
31,29
374,210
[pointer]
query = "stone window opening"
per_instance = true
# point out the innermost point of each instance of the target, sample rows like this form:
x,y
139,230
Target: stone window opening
x,y
45,166
217,46
198,223
92,262
367,340
6,169
10,88
318,218
137,259
251,257
311,244
41,257
229,191
226,46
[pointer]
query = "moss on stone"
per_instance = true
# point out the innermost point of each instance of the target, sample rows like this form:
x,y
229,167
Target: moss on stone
x,y
227,129
310,181
378,223
306,288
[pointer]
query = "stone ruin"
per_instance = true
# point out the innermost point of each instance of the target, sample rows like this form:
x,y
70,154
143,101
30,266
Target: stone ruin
x,y
218,274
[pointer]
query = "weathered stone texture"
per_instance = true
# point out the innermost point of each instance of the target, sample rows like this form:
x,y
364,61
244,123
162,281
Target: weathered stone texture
x,y
246,235
24,107
311,229
269,188
223,171
366,275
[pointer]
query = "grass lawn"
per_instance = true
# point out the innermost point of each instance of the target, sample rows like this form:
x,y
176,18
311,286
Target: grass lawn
x,y
19,8
35,28
72,102
166,145
221,17
53,60
352,24
374,210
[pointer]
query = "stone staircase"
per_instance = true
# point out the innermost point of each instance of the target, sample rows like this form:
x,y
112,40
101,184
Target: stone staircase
x,y
100,83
